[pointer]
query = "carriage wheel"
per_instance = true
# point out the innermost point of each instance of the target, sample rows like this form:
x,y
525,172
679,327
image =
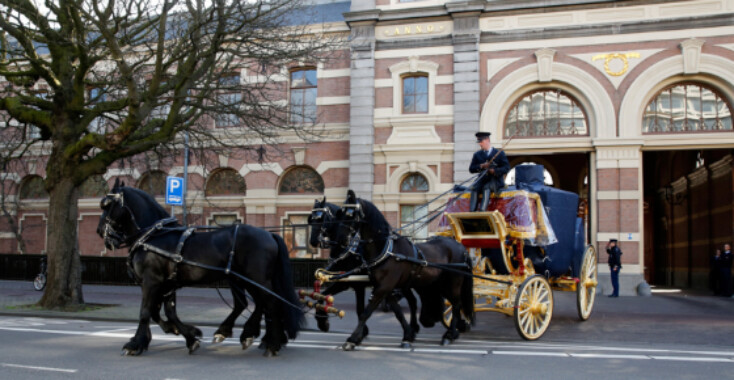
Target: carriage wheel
x,y
586,289
533,307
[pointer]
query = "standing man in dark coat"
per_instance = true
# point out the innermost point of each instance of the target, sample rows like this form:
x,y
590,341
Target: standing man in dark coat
x,y
615,265
724,266
493,165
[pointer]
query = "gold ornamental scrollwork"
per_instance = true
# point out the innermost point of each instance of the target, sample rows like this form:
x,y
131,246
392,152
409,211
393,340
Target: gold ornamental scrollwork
x,y
624,57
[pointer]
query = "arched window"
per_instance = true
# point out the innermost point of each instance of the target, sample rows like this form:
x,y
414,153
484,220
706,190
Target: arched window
x,y
546,113
153,183
225,182
415,93
301,180
33,187
687,107
547,177
414,183
94,187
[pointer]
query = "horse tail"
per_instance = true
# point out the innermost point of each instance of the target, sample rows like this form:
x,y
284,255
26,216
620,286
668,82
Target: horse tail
x,y
467,292
293,318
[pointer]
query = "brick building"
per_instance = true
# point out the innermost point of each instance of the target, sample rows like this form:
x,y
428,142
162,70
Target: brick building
x,y
627,103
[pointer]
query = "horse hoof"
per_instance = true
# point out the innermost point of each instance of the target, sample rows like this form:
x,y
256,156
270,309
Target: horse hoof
x,y
195,346
348,346
261,345
406,344
218,338
270,353
131,352
445,341
247,343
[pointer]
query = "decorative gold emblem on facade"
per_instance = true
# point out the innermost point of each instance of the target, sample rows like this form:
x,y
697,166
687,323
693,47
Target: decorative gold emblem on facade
x,y
612,56
409,30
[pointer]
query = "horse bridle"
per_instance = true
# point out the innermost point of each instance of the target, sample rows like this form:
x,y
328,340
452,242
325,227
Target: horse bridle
x,y
320,216
111,226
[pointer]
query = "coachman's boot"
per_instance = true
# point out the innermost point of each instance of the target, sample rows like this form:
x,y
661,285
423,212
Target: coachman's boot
x,y
485,199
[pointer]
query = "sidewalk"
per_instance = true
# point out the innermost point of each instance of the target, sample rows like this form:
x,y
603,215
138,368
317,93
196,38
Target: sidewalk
x,y
679,318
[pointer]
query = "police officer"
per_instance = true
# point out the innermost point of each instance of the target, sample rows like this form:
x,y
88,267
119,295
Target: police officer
x,y
615,265
493,165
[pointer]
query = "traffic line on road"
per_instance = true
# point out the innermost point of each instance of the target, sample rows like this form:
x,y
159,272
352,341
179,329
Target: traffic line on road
x,y
37,368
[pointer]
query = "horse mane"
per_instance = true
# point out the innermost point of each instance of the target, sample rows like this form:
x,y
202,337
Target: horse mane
x,y
152,203
376,219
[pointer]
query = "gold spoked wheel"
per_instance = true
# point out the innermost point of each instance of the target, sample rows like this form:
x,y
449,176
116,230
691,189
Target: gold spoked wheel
x,y
533,307
586,289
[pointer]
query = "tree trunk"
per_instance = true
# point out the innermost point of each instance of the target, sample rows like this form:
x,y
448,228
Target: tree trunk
x,y
64,286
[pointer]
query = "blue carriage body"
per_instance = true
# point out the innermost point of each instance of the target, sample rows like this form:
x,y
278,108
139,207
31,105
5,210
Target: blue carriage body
x,y
562,208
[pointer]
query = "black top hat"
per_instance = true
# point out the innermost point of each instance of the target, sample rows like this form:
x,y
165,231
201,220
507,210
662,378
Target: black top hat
x,y
482,135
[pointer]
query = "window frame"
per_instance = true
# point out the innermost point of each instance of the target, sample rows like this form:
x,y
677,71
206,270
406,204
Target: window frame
x,y
303,118
576,104
415,95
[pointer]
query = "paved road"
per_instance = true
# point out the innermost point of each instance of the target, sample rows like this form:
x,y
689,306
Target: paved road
x,y
673,336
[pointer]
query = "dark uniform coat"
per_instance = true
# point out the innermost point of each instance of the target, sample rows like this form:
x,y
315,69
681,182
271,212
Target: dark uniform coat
x,y
500,164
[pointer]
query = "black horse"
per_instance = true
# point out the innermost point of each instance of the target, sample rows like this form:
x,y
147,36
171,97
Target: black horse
x,y
165,256
393,262
324,230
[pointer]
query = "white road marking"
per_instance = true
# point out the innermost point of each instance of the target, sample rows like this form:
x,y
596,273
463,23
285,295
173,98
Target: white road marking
x,y
529,353
388,344
691,359
51,369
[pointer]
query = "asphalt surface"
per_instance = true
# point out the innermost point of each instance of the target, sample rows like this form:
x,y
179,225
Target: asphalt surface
x,y
678,319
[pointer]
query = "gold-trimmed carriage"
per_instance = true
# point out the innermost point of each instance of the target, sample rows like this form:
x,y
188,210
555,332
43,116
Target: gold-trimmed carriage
x,y
527,243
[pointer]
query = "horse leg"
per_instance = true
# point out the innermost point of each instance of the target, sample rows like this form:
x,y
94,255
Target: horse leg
x,y
140,341
274,333
190,333
155,315
251,329
413,305
408,334
358,334
452,333
225,328
359,295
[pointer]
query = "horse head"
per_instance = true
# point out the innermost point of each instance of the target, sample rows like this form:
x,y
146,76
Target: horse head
x,y
322,224
125,213
349,219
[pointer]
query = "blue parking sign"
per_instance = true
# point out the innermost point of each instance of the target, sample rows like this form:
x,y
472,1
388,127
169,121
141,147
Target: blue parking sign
x,y
174,191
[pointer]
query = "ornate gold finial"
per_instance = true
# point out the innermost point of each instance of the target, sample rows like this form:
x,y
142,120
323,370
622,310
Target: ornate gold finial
x,y
612,56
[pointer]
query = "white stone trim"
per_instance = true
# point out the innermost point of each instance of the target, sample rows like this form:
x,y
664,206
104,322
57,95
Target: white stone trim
x,y
545,64
392,183
333,73
45,230
423,52
587,90
440,79
133,172
413,66
666,72
691,50
267,166
332,100
614,195
602,40
210,218
326,165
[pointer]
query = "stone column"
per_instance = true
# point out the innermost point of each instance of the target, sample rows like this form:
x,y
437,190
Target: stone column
x,y
619,198
466,84
362,108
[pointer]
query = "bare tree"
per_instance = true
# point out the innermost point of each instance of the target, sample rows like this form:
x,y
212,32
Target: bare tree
x,y
99,81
